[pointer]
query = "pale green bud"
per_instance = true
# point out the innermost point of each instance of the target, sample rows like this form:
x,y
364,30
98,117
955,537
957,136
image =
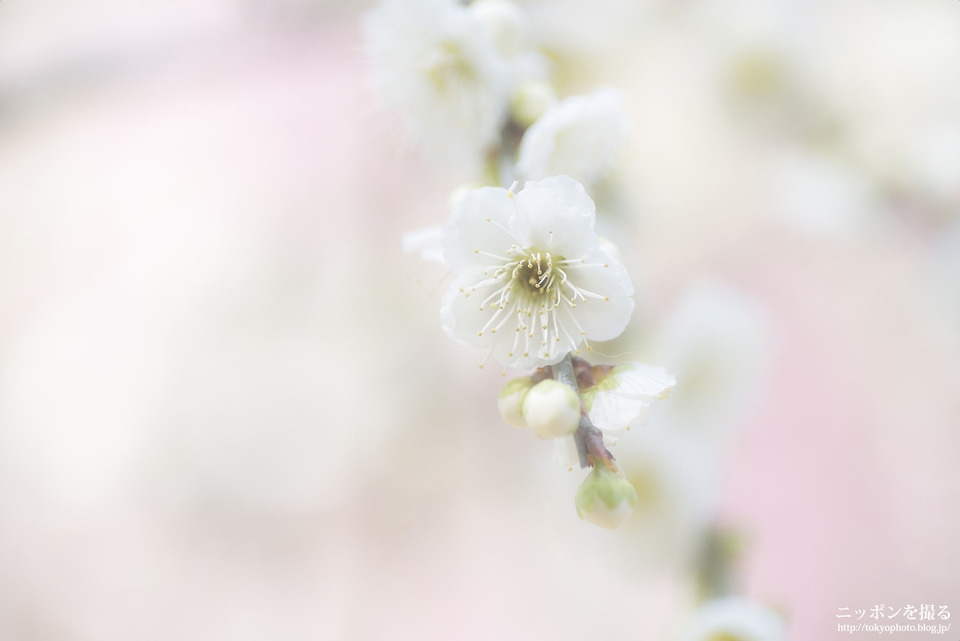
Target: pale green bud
x,y
552,409
505,24
510,401
605,498
530,100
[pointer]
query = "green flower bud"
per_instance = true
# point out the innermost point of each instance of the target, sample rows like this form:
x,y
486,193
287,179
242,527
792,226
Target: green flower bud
x,y
530,101
552,409
605,498
510,401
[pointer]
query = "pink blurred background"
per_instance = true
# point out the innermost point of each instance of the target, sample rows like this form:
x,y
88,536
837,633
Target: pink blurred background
x,y
227,408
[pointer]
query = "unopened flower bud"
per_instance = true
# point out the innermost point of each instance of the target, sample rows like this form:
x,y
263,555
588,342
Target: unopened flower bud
x,y
552,409
510,401
605,498
504,22
530,101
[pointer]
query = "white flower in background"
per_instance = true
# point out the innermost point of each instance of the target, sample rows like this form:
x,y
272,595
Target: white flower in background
x,y
434,61
579,137
716,342
533,284
605,498
942,281
675,477
621,396
425,242
510,32
820,195
552,409
735,619
931,165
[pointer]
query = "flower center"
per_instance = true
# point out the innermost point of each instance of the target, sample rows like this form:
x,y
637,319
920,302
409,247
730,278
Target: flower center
x,y
447,68
535,273
723,636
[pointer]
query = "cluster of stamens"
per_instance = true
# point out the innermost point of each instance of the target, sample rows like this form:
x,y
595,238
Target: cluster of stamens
x,y
535,292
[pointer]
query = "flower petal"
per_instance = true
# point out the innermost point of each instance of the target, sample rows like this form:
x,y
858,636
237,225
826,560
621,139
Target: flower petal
x,y
612,412
627,401
639,380
555,214
478,230
606,286
518,340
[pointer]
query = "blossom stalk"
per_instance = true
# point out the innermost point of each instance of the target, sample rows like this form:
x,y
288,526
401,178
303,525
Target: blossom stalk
x,y
588,437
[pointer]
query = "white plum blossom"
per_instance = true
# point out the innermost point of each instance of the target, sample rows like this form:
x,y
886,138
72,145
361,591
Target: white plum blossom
x,y
717,341
435,62
735,619
510,32
621,398
578,136
676,481
533,283
425,242
820,195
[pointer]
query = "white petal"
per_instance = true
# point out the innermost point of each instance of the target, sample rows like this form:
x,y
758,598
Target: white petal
x,y
565,451
637,380
612,412
555,214
628,404
424,241
461,314
600,319
479,229
737,617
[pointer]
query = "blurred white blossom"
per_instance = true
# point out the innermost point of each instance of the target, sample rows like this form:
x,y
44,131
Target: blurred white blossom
x,y
674,475
735,619
716,342
579,137
435,62
817,194
425,242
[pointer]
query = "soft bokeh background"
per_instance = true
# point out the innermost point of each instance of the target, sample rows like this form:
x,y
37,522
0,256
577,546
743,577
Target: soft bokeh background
x,y
227,409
